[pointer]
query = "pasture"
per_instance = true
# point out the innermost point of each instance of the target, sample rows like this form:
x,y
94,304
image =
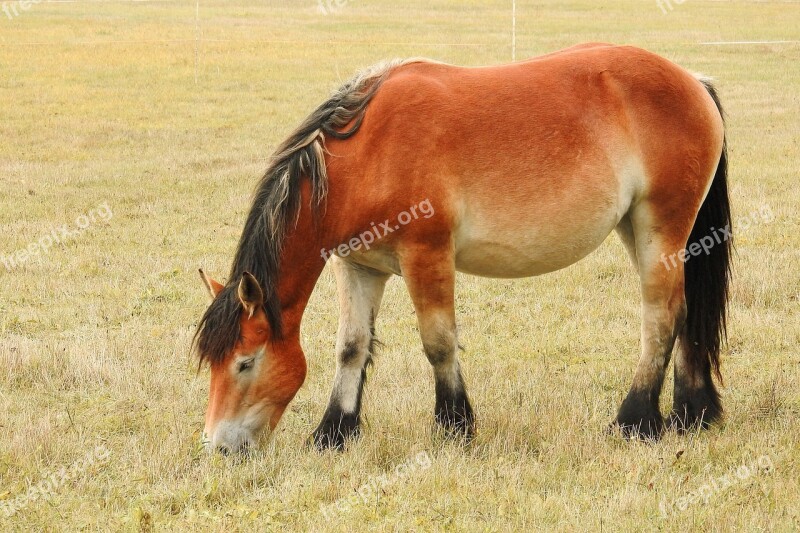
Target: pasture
x,y
143,128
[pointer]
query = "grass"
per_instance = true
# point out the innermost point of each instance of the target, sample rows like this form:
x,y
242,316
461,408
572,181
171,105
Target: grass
x,y
100,104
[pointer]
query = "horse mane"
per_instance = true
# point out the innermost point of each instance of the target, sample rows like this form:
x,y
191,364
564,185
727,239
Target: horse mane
x,y
276,203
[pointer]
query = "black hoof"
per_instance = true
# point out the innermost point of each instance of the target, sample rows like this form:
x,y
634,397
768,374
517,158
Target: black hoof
x,y
456,418
335,430
639,419
646,429
696,409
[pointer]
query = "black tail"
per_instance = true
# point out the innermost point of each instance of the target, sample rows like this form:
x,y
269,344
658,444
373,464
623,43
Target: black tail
x,y
708,276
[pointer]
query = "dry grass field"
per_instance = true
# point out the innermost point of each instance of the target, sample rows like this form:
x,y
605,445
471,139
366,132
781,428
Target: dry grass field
x,y
143,128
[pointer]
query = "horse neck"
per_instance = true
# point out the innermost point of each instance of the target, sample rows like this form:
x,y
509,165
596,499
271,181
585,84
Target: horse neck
x,y
300,267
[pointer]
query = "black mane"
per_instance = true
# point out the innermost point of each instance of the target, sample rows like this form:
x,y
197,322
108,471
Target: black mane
x,y
275,205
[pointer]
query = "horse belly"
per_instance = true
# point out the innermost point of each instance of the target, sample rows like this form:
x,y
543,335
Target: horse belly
x,y
507,243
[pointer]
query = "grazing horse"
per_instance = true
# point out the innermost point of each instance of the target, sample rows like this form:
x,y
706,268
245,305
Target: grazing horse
x,y
422,169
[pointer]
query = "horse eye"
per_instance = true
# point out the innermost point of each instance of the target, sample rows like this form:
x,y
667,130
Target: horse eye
x,y
246,365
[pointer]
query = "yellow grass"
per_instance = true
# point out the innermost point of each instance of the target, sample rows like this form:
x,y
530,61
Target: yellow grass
x,y
100,105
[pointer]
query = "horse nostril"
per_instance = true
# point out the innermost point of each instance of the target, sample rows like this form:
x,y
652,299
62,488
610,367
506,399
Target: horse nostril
x,y
242,449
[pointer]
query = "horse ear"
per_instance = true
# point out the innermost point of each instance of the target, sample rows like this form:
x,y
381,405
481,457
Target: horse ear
x,y
214,287
250,294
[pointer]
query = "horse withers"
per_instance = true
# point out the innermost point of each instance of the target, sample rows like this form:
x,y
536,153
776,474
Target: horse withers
x,y
522,169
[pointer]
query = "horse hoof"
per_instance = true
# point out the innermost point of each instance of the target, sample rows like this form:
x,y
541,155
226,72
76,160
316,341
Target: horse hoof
x,y
696,409
333,433
685,419
457,423
647,429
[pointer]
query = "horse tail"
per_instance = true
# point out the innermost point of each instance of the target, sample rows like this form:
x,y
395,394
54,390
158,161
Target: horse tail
x,y
708,276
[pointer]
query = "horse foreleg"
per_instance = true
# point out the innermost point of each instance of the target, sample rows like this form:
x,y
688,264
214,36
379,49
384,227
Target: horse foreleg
x,y
360,292
429,274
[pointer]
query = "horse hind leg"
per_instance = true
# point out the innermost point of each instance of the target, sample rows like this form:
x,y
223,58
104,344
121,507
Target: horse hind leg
x,y
625,231
697,403
663,314
360,293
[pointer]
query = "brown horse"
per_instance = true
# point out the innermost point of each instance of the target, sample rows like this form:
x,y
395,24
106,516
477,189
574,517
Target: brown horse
x,y
422,169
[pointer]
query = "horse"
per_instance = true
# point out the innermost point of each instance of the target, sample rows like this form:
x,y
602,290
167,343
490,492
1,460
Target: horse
x,y
420,169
